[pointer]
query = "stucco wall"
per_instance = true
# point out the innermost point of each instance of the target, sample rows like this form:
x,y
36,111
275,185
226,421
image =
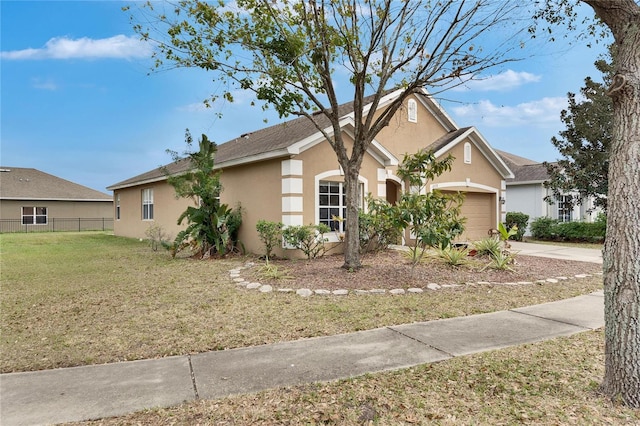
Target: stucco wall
x,y
257,188
166,210
11,209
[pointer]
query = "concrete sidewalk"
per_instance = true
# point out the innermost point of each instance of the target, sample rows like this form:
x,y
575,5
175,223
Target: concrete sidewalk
x,y
91,392
557,252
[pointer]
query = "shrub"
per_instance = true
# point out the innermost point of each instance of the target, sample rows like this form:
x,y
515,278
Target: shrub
x,y
377,226
308,238
580,231
270,234
156,237
488,247
543,228
454,256
520,220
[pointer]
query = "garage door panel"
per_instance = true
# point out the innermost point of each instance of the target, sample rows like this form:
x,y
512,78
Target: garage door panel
x,y
478,209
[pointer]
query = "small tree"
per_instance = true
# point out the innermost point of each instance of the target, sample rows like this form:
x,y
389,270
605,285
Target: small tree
x,y
210,225
433,218
270,234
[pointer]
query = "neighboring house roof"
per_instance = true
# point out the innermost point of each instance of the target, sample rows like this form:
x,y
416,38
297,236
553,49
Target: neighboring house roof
x,y
525,171
294,136
18,183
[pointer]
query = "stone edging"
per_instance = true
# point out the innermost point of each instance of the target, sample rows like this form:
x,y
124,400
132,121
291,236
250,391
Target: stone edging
x,y
235,275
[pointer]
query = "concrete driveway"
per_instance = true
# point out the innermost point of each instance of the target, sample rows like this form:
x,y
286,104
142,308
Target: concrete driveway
x,y
558,252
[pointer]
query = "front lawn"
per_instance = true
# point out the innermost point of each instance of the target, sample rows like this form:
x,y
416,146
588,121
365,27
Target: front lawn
x,y
72,299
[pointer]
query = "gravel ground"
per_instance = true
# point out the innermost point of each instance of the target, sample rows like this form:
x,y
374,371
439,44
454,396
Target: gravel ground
x,y
391,269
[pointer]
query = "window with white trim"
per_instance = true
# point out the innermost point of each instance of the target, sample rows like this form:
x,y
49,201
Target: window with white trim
x,y
412,111
34,215
147,204
117,206
332,204
565,208
467,153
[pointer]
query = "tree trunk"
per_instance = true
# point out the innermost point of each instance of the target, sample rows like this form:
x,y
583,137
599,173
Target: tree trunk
x,y
352,235
622,247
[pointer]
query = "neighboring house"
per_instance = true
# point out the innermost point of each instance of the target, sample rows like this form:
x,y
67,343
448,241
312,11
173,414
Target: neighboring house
x,y
31,197
289,173
526,193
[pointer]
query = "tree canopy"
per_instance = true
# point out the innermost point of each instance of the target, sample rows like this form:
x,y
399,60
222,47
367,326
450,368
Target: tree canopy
x,y
585,143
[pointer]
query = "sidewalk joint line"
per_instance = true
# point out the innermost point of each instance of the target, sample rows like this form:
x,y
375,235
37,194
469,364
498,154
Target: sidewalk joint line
x,y
421,342
193,378
551,319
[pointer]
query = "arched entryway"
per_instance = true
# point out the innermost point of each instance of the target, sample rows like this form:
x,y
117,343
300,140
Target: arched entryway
x,y
393,191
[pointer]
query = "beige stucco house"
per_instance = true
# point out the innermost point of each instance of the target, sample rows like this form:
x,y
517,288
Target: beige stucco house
x,y
35,200
289,173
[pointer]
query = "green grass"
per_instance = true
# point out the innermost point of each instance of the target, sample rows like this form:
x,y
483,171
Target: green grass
x,y
75,299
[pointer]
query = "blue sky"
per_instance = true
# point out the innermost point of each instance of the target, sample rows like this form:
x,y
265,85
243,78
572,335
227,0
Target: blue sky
x,y
78,101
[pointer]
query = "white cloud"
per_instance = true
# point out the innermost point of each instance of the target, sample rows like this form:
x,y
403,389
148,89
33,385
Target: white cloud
x,y
541,112
500,82
119,46
46,84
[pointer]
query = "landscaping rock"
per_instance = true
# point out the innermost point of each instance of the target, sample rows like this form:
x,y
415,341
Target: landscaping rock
x,y
253,286
322,292
265,289
397,291
304,292
434,286
340,292
415,290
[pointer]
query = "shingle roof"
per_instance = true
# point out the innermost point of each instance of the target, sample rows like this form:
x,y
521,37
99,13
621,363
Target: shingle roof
x,y
524,169
270,141
446,139
18,183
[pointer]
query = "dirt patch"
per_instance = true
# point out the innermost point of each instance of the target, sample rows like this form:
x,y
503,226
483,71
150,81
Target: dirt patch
x,y
391,269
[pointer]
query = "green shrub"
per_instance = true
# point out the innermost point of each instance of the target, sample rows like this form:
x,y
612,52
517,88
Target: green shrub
x,y
270,233
520,220
308,238
543,228
580,231
488,247
377,226
454,256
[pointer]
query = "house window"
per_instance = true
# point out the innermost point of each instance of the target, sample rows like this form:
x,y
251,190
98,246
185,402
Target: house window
x,y
332,202
467,153
565,208
34,215
117,206
412,111
147,204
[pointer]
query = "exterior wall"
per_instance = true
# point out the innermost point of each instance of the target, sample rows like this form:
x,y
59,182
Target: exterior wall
x,y
529,199
12,209
477,176
257,188
166,210
404,137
